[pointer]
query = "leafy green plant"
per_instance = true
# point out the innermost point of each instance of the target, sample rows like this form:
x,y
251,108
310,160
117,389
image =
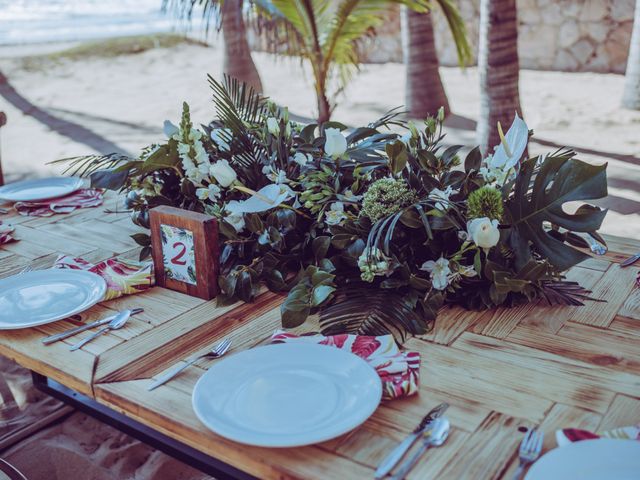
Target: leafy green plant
x,y
372,231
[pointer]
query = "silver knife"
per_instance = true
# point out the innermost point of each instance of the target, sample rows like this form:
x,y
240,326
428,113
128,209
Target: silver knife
x,y
69,333
403,447
631,260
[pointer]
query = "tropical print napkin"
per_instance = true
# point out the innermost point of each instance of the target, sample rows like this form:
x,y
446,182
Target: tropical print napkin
x,y
399,371
123,277
5,233
88,197
570,435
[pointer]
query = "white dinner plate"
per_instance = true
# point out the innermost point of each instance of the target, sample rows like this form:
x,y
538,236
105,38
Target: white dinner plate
x,y
40,189
44,296
600,459
287,395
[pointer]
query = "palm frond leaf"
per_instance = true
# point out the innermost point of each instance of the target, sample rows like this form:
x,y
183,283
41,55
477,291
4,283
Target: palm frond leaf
x,y
184,10
564,292
362,310
458,30
238,104
85,165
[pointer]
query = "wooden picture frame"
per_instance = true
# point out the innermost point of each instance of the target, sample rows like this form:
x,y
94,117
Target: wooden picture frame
x,y
185,251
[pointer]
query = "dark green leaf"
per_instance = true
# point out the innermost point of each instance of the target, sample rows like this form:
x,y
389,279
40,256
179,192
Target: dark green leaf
x,y
109,179
473,160
320,246
141,239
561,179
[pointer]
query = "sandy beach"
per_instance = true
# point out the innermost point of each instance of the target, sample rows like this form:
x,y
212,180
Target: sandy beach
x,y
63,107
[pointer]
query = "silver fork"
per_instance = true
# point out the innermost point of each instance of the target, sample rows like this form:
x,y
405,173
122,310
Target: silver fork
x,y
26,269
216,352
530,449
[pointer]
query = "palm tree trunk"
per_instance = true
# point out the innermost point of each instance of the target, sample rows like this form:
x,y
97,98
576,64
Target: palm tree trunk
x,y
631,95
237,55
499,70
324,107
424,91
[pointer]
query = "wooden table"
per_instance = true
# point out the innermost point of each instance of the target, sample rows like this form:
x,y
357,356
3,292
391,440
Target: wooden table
x,y
501,370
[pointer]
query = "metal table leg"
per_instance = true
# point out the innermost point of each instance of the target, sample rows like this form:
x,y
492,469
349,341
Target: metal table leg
x,y
178,450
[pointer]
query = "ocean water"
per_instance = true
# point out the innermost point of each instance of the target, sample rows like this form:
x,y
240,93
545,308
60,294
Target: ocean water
x,y
40,21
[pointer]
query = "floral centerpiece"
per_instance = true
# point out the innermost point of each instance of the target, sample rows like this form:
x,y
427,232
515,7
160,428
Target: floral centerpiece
x,y
373,230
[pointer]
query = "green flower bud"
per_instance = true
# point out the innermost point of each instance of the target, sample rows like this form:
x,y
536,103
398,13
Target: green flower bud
x,y
485,202
385,197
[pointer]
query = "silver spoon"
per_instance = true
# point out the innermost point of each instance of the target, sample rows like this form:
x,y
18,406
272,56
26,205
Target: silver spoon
x,y
115,324
434,437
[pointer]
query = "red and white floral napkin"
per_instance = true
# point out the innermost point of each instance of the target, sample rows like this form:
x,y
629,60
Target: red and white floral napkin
x,y
122,277
6,231
88,197
398,370
570,435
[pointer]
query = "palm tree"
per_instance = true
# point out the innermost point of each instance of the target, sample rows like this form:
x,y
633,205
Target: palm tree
x,y
631,96
424,91
228,15
238,62
499,69
327,35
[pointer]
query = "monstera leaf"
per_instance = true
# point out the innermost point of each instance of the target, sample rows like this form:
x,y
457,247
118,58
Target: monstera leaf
x,y
559,179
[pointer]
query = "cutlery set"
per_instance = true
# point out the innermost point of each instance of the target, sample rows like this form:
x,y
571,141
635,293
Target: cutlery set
x,y
433,431
118,321
112,322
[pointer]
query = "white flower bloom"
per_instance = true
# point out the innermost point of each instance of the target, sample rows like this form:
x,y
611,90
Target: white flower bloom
x,y
335,143
273,126
302,158
467,271
220,136
265,199
223,173
194,174
170,129
195,134
349,196
275,174
335,215
484,232
508,153
184,149
236,221
439,271
212,192
441,197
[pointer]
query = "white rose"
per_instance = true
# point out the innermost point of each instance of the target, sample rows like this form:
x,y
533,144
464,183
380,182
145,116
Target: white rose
x,y
273,126
484,232
335,143
223,173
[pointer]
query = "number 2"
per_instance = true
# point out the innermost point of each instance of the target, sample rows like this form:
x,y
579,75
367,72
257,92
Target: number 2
x,y
176,260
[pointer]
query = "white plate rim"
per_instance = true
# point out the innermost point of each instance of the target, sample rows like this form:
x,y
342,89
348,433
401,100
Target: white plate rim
x,y
75,184
81,308
363,417
558,451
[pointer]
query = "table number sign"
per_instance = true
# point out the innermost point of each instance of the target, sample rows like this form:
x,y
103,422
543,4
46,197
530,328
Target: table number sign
x,y
185,251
